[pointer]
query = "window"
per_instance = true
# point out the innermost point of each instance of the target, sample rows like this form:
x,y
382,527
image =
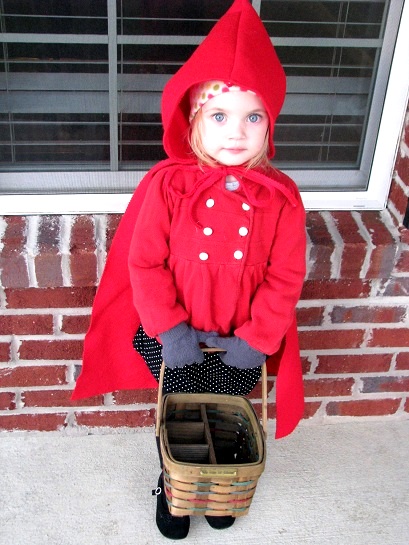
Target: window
x,y
81,81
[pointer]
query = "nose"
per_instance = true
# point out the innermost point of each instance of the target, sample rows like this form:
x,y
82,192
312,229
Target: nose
x,y
236,129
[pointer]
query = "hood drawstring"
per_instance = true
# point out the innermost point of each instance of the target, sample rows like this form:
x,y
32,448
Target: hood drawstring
x,y
211,176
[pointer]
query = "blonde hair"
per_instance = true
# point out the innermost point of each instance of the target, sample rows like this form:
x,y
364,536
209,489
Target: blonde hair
x,y
195,141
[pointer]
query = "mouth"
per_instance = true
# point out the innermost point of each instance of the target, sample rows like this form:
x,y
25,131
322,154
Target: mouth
x,y
234,150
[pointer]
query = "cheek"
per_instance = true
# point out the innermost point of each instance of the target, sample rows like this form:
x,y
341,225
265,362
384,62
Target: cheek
x,y
209,136
260,135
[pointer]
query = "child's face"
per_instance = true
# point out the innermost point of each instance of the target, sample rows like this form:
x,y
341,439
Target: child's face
x,y
234,127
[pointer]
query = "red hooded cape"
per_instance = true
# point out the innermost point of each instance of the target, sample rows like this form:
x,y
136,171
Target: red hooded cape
x,y
109,361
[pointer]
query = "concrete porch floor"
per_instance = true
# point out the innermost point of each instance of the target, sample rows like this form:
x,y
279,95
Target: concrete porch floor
x,y
338,484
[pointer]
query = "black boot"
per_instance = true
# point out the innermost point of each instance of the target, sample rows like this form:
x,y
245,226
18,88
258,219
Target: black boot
x,y
220,523
169,526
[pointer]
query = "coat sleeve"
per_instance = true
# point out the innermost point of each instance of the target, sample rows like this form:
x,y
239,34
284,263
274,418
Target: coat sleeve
x,y
273,305
154,291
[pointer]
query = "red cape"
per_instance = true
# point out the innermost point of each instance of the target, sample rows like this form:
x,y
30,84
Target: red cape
x,y
110,362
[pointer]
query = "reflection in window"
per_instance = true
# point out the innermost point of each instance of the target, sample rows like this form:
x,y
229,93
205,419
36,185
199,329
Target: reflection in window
x,y
81,81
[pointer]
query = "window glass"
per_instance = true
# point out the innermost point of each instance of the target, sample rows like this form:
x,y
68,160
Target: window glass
x,y
81,82
54,17
331,71
179,17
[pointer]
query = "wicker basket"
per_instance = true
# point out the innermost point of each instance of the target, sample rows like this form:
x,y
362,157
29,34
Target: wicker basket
x,y
213,451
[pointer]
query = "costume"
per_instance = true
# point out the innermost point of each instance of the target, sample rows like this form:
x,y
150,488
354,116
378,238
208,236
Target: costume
x,y
252,238
234,259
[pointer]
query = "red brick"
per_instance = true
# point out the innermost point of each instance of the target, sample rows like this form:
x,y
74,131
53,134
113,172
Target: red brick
x,y
365,407
7,401
48,270
13,264
26,324
41,375
83,269
389,337
14,272
374,223
306,365
395,287
311,316
329,339
384,254
51,350
112,226
48,261
15,235
335,289
402,264
131,397
398,198
359,363
116,419
50,298
49,231
402,167
75,324
406,406
4,351
57,398
328,387
402,361
32,422
382,261
355,247
82,234
385,384
322,246
271,410
310,408
256,393
83,260
368,314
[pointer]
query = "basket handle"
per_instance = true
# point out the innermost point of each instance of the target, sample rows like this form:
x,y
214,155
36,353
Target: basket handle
x,y
207,349
160,397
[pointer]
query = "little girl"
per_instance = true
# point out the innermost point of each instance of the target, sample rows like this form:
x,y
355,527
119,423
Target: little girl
x,y
215,242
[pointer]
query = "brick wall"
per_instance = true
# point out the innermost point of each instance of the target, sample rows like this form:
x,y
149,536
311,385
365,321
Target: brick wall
x,y
353,317
399,193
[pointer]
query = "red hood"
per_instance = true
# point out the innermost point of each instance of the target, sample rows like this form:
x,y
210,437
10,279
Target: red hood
x,y
237,50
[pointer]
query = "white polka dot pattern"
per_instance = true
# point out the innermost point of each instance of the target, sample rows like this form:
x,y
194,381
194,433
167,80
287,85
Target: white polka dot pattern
x,y
211,376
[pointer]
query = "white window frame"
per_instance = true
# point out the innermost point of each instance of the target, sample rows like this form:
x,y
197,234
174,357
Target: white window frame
x,y
374,198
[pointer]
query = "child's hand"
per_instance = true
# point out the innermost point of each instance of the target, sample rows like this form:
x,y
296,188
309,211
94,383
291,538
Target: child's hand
x,y
181,345
238,352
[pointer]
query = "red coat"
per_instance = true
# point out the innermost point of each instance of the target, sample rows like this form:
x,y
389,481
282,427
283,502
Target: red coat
x,y
250,281
226,261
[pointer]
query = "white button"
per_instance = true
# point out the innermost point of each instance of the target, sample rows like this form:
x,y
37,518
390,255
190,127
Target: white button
x,y
208,231
203,256
210,203
238,254
245,206
243,231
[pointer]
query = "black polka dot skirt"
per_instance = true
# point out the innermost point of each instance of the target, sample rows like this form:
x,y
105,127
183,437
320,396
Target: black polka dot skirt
x,y
210,376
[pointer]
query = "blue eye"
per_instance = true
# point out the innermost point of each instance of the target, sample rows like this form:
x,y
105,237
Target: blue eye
x,y
219,117
253,118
